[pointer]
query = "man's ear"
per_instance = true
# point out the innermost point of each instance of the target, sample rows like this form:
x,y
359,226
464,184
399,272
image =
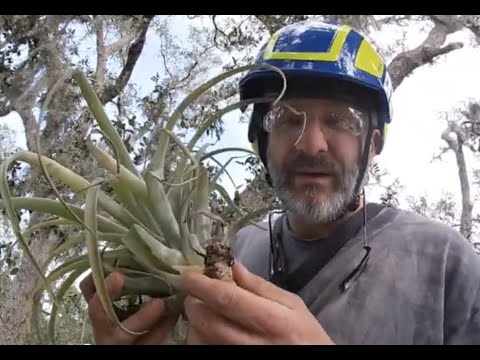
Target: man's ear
x,y
375,143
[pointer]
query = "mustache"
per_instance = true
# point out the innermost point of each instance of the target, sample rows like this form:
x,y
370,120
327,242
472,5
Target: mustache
x,y
320,164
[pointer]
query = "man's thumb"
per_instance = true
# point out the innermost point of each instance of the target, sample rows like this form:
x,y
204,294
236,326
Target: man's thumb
x,y
261,287
244,278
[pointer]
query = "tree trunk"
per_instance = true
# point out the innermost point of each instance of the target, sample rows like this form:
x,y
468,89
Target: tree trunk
x,y
455,143
15,310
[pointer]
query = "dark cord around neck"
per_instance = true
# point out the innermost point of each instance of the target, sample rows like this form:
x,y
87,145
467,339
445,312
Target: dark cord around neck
x,y
355,274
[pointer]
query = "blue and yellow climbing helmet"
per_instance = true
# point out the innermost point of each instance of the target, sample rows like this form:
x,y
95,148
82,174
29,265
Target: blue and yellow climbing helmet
x,y
324,60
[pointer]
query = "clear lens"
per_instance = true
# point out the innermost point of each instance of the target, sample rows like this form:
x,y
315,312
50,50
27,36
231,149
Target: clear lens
x,y
286,121
289,122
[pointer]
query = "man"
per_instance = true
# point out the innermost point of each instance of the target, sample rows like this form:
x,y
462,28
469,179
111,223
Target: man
x,y
332,269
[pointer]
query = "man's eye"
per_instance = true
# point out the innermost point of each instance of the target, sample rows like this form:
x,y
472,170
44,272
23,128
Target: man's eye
x,y
334,120
343,123
290,121
295,120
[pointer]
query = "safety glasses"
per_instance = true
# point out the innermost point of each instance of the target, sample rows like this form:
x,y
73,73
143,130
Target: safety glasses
x,y
288,121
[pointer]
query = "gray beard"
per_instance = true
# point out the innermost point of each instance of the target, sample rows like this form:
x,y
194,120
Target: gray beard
x,y
314,212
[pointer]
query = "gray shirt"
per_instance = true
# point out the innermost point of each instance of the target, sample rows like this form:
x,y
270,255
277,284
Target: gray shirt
x,y
421,284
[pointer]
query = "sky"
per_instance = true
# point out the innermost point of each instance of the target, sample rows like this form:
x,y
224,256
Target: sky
x,y
414,135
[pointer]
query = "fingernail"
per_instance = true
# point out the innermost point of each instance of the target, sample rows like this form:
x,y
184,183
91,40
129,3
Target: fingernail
x,y
239,266
112,276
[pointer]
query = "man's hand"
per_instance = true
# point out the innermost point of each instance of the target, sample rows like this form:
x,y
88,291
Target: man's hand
x,y
254,312
151,317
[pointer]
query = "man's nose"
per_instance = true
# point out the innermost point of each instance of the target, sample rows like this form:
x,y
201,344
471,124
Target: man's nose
x,y
313,140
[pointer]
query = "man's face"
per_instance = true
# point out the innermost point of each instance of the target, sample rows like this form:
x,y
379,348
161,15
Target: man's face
x,y
313,155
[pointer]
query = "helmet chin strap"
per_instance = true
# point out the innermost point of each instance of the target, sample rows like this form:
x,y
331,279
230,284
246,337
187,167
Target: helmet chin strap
x,y
355,203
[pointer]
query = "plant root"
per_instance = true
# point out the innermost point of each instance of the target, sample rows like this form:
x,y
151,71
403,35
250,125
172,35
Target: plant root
x,y
219,261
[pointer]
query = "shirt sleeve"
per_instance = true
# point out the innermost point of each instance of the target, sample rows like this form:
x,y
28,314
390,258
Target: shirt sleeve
x,y
462,294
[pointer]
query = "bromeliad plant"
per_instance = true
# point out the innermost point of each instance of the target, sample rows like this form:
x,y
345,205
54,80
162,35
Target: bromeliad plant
x,y
149,228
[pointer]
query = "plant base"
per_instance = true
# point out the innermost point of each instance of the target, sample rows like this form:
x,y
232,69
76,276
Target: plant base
x,y
219,261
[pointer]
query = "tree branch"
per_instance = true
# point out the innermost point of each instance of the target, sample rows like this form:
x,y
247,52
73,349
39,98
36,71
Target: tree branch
x,y
456,144
393,19
30,125
405,63
472,23
120,44
217,31
102,55
274,22
443,151
5,108
133,54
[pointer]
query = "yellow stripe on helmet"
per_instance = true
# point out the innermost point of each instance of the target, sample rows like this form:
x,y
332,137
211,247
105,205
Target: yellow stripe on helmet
x,y
255,146
368,60
385,131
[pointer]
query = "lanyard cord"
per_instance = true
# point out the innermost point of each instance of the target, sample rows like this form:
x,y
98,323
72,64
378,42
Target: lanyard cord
x,y
276,270
355,274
